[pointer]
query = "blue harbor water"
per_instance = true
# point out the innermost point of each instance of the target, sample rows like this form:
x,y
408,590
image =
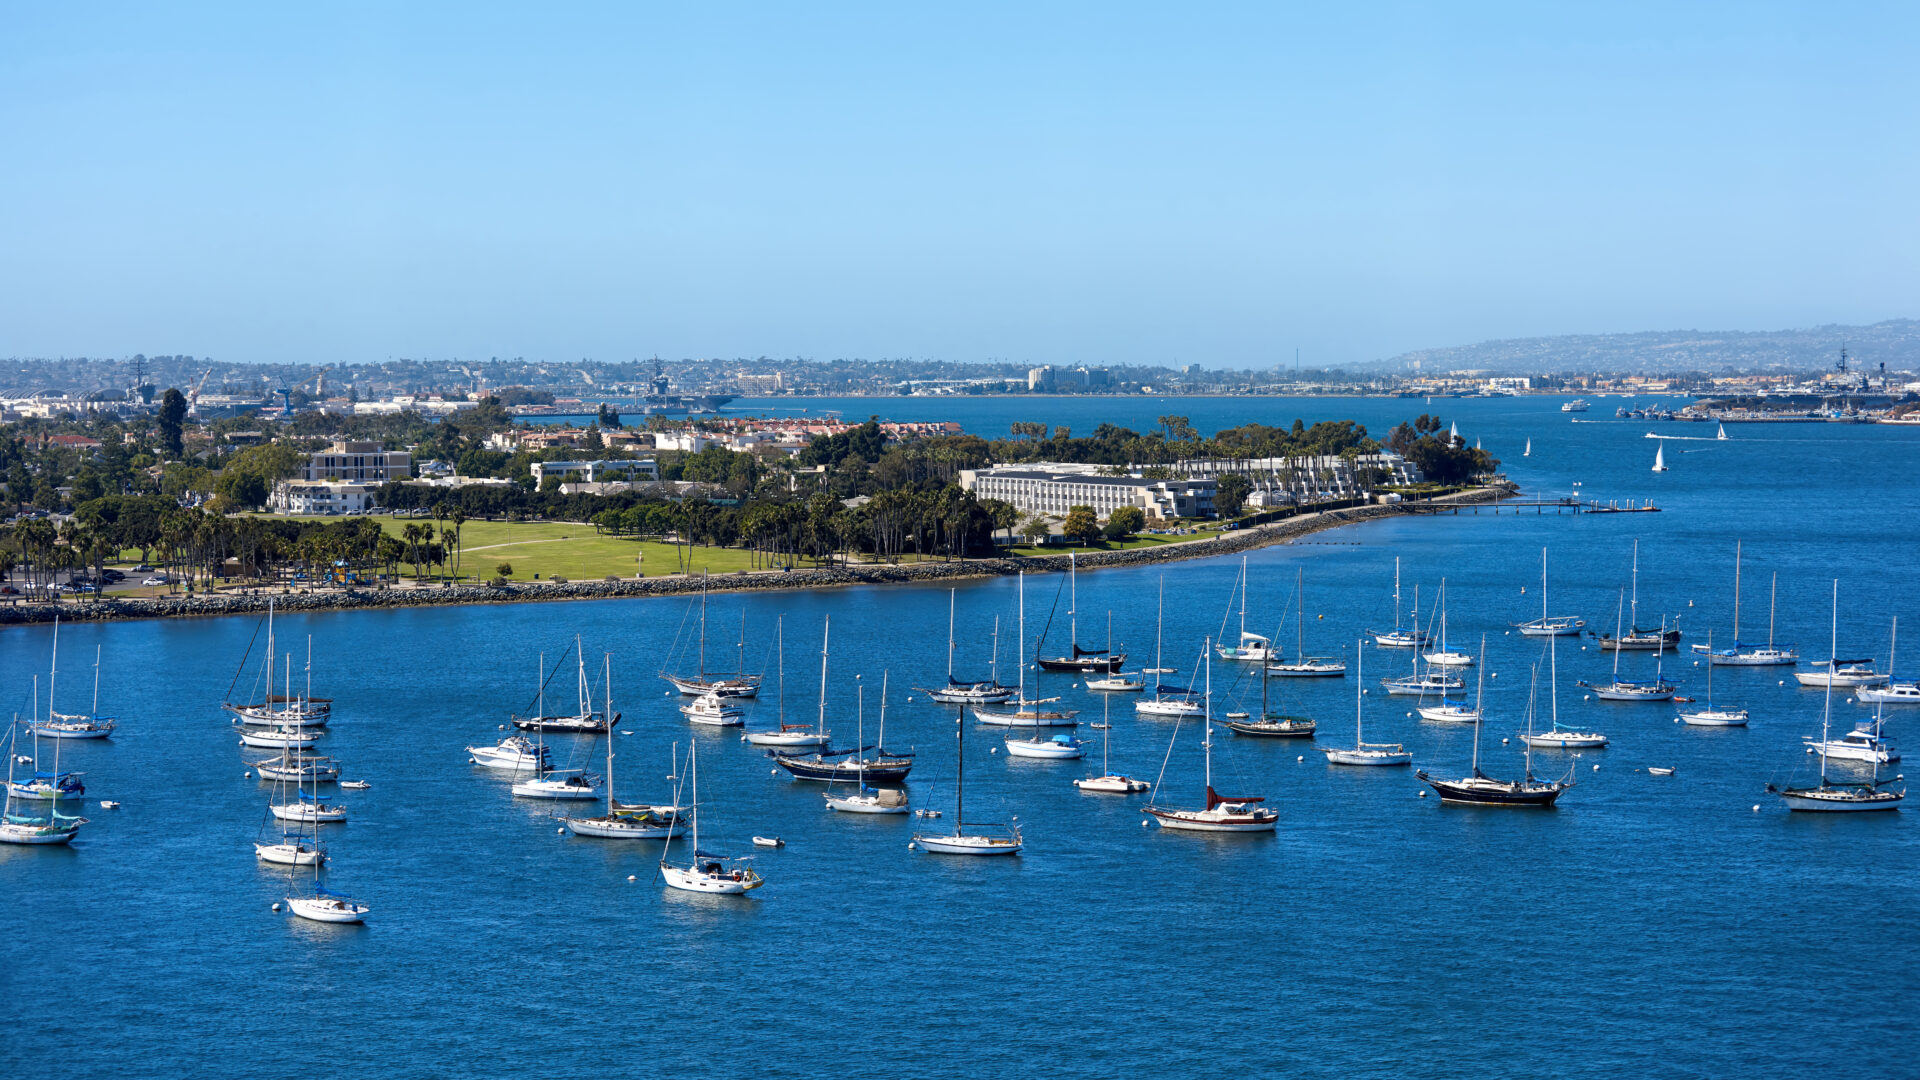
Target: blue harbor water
x,y
1647,926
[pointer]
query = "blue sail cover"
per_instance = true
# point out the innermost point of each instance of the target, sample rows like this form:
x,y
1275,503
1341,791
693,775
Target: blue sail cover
x,y
702,853
1163,688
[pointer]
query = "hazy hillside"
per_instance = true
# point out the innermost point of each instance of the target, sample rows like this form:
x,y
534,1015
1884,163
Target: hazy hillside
x,y
1895,343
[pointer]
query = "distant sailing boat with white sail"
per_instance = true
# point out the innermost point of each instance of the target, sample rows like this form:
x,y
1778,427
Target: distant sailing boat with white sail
x,y
1660,457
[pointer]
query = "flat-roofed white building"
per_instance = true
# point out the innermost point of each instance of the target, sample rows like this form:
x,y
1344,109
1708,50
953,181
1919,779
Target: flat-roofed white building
x,y
321,497
593,472
1045,489
360,462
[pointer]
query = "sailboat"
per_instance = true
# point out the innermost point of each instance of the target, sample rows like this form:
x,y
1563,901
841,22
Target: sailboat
x,y
1742,655
1419,684
1712,716
1252,647
1222,813
1174,701
290,847
628,821
1450,711
1843,796
1363,752
708,872
1001,840
55,786
1109,782
1082,660
584,721
1549,625
59,725
1635,639
1628,689
1304,666
1721,436
314,808
738,684
1025,712
1660,457
1445,657
863,799
834,765
1556,737
1893,693
22,828
1115,682
957,692
320,904
1528,452
1272,725
785,734
282,710
1479,789
1401,637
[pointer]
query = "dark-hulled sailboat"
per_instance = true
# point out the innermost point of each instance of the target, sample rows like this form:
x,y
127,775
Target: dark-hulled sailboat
x,y
1479,789
1081,660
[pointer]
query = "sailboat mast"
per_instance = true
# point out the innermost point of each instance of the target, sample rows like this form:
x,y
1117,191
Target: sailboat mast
x,y
580,655
1243,598
1636,598
1833,667
1299,618
1022,627
780,658
740,659
860,734
1206,721
1773,601
309,698
1553,688
1073,603
1396,592
993,669
1736,594
703,627
826,631
608,703
53,671
97,648
1159,621
1616,642
1479,704
540,688
1360,680
951,595
960,772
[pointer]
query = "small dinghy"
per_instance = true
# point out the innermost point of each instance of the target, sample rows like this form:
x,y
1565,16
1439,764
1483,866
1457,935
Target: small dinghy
x,y
1651,771
768,841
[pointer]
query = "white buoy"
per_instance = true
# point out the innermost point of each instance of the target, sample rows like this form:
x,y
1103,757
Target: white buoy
x,y
1596,768
1676,719
1756,808
1696,663
1302,757
993,749
276,907
1143,823
1783,682
248,776
1423,794
770,772
630,877
1409,712
1503,742
562,830
1588,697
743,738
500,727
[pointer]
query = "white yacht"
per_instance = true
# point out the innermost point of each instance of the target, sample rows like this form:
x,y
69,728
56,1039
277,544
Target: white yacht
x,y
1841,674
515,753
1252,647
713,710
1863,743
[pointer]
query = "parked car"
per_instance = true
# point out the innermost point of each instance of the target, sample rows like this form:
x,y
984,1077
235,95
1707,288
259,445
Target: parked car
x,y
156,579
143,568
114,575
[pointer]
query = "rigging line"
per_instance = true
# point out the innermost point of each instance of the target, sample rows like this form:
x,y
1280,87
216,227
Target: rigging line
x,y
557,665
243,658
673,654
1154,797
1042,639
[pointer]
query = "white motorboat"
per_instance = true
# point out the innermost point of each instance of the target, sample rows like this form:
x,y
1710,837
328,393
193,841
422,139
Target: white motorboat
x,y
515,753
1117,684
713,711
1577,405
1062,747
314,809
279,738
1863,743
1829,796
1172,702
1363,752
355,785
289,853
1549,625
863,799
328,907
1844,674
1907,693
707,872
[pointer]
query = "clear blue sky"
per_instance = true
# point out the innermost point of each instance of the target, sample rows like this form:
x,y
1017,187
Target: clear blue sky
x,y
1047,183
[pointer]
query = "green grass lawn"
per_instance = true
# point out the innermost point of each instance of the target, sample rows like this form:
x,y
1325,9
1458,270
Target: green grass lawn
x,y
1105,545
573,551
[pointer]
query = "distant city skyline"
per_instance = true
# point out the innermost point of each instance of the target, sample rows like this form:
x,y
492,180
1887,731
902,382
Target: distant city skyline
x,y
1078,185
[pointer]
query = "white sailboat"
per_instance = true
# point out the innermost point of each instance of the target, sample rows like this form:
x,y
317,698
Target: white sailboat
x,y
1401,637
1893,693
738,684
1721,436
1660,457
1549,625
783,733
59,725
1528,452
283,709
1444,656
1712,716
628,821
1115,682
1456,712
707,872
1363,752
1845,796
1252,647
1557,737
1109,782
548,782
319,903
1304,666
863,799
1023,712
1742,655
998,839
1628,689
1222,813
21,828
990,692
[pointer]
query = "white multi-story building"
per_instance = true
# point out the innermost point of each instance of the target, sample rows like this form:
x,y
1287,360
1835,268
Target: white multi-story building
x,y
1054,489
321,497
594,472
359,462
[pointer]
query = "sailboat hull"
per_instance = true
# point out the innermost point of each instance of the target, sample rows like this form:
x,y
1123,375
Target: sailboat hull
x,y
967,845
1566,741
1480,791
1839,800
1308,670
1715,718
1112,785
1026,718
741,688
865,804
1555,627
785,738
1289,728
845,772
692,879
289,854
327,909
16,833
1214,822
73,731
1351,756
1044,749
622,827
